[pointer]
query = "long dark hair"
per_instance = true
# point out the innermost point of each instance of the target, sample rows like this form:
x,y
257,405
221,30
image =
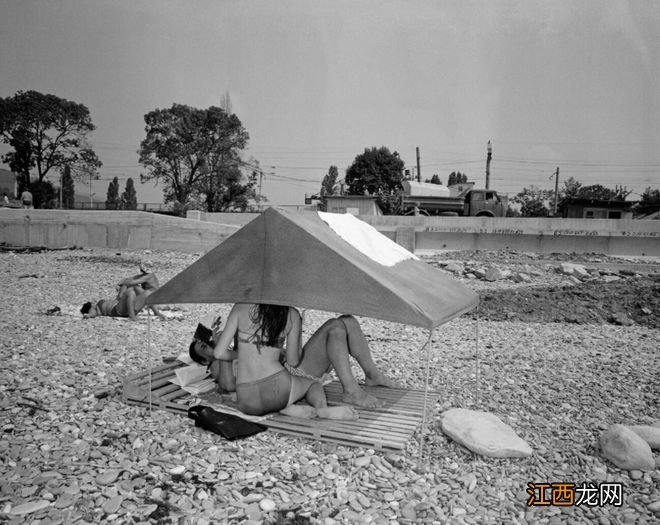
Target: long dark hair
x,y
271,319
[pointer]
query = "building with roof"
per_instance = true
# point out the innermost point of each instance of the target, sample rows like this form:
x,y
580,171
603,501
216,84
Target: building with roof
x,y
597,209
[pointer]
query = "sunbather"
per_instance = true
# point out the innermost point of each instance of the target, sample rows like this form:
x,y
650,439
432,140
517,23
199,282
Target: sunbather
x,y
126,304
201,351
144,284
130,300
264,384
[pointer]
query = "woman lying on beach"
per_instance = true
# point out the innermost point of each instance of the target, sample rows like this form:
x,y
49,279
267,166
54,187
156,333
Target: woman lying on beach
x,y
131,298
264,384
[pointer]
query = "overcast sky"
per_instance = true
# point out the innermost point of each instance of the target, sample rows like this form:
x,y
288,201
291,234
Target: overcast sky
x,y
562,83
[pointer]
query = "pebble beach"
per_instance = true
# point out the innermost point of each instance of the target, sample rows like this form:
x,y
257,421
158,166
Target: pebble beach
x,y
72,451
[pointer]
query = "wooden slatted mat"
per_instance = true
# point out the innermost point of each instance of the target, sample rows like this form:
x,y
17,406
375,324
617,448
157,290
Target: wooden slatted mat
x,y
388,428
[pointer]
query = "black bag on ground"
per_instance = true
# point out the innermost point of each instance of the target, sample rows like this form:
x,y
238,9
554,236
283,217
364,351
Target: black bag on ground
x,y
228,426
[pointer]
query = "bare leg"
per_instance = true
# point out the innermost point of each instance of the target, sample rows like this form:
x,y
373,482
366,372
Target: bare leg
x,y
315,396
330,346
358,346
126,306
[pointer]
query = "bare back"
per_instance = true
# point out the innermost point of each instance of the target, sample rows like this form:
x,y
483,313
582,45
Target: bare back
x,y
256,360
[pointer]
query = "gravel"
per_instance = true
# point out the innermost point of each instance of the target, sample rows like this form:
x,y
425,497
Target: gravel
x,y
74,452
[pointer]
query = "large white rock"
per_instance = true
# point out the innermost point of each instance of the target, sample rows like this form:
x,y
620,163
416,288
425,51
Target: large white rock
x,y
483,433
650,434
626,449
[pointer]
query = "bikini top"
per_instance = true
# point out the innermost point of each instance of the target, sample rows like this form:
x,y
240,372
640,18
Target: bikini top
x,y
259,341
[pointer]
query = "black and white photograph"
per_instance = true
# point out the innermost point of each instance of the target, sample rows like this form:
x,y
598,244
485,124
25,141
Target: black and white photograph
x,y
330,263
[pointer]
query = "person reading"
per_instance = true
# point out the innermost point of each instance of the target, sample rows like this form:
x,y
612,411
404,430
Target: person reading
x,y
201,351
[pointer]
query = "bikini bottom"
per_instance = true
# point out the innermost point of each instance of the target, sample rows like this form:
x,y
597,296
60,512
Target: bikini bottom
x,y
269,394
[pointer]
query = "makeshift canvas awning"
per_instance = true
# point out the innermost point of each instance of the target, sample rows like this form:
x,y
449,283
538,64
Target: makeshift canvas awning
x,y
328,262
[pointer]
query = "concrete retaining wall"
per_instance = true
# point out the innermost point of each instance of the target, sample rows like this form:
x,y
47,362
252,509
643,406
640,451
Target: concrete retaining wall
x,y
200,232
536,235
131,230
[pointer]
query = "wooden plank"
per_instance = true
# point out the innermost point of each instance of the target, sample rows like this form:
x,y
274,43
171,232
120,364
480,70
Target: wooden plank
x,y
388,428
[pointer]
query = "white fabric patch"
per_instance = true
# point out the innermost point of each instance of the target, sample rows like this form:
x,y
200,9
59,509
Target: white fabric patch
x,y
366,238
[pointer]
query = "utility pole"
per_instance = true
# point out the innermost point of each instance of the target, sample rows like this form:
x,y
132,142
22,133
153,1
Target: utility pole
x,y
556,190
489,149
90,190
419,172
261,174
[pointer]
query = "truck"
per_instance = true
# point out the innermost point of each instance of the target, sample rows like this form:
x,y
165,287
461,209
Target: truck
x,y
420,198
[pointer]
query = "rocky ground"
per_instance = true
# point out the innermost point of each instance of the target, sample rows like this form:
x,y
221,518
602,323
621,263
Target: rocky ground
x,y
561,348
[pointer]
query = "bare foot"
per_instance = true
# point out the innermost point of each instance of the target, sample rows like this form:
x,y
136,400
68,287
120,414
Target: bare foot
x,y
380,379
338,412
300,411
360,398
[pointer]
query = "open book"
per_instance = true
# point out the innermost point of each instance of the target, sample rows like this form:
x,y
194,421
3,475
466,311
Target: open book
x,y
194,379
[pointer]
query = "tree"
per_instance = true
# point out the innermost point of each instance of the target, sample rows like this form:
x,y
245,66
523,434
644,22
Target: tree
x,y
112,198
43,194
434,180
377,172
47,133
329,183
68,193
649,202
534,202
573,189
599,192
129,197
456,177
226,190
188,149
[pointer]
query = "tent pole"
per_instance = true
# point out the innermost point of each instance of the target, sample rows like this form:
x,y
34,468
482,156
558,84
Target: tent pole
x,y
149,353
426,393
476,352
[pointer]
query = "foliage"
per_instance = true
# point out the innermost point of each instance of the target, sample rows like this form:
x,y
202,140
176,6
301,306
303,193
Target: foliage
x,y
534,202
434,180
456,177
649,202
47,133
573,189
377,172
68,193
191,150
44,194
112,198
129,197
329,183
226,190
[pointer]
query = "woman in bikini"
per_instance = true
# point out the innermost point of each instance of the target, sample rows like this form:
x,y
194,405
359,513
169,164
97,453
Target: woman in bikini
x,y
264,384
131,298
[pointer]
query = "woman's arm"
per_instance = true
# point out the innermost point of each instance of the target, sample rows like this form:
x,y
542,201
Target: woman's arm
x,y
293,338
221,350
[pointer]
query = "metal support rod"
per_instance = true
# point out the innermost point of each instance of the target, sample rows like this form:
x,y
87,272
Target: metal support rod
x,y
149,352
476,352
426,393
